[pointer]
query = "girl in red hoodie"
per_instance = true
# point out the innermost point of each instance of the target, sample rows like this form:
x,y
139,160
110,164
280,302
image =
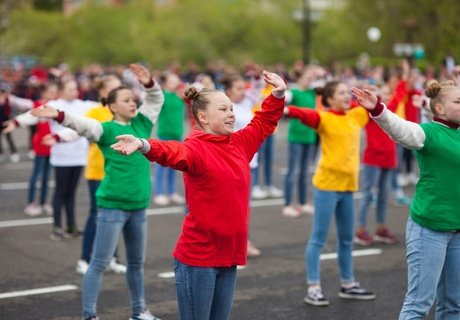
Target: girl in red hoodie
x,y
41,164
215,161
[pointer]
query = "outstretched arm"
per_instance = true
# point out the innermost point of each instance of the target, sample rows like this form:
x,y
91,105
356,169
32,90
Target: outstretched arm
x,y
23,120
21,104
154,98
407,133
171,154
309,117
89,128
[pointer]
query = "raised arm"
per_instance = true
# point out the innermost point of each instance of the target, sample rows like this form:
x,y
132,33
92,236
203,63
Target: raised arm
x,y
89,128
171,154
154,98
265,121
407,133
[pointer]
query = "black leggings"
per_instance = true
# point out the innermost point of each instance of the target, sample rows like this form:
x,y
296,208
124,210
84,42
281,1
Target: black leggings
x,y
64,194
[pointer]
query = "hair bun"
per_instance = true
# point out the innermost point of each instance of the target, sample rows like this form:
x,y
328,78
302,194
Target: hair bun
x,y
191,93
432,88
319,90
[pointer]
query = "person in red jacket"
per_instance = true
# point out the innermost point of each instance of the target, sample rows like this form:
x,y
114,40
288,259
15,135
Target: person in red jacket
x,y
215,161
41,163
379,160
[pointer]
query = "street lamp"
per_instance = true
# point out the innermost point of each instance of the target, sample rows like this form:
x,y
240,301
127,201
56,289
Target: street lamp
x,y
306,31
373,34
303,15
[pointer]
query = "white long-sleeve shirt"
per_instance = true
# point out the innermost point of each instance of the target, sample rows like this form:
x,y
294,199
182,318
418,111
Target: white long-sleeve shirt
x,y
72,153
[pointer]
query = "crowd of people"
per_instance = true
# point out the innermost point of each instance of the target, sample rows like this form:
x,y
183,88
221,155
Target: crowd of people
x,y
101,120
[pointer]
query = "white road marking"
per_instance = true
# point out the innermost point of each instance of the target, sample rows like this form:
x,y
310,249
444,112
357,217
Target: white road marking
x,y
150,212
355,253
32,292
324,256
13,186
19,166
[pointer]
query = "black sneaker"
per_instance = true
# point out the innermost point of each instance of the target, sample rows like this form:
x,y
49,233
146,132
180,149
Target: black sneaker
x,y
356,293
315,297
72,233
57,234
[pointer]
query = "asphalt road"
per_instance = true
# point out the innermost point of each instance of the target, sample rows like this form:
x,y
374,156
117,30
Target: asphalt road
x,y
272,286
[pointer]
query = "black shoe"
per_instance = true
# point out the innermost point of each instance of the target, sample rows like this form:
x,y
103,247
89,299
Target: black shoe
x,y
356,293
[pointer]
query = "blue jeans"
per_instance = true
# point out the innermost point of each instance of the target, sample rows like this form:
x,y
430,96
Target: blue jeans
x,y
41,167
375,177
433,260
265,160
90,225
110,224
160,172
328,203
204,293
298,161
395,187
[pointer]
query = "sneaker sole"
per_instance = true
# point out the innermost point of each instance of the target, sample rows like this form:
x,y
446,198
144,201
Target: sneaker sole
x,y
384,240
316,303
356,297
362,242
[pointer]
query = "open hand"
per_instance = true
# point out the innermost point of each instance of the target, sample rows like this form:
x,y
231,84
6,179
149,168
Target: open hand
x,y
142,74
274,80
45,112
48,140
126,144
366,98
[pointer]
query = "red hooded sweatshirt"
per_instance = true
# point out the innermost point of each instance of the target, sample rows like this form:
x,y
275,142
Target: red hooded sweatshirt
x,y
217,182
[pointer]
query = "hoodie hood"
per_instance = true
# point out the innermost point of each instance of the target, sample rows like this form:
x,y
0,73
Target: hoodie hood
x,y
198,133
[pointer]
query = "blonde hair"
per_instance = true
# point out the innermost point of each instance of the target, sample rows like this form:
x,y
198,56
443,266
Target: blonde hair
x,y
436,91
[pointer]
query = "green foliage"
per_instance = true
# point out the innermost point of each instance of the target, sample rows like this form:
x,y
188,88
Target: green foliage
x,y
235,31
432,23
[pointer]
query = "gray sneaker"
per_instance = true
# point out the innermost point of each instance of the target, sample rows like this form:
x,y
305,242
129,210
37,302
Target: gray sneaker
x,y
315,297
57,234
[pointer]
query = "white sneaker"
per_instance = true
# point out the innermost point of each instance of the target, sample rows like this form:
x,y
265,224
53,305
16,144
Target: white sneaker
x,y
412,178
161,200
15,158
32,210
291,212
252,250
31,154
258,193
307,209
116,267
47,209
275,192
82,266
178,199
403,180
146,315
